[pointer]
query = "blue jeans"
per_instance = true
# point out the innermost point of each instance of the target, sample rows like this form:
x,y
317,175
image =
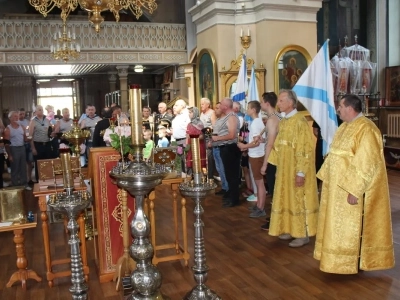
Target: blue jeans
x,y
220,168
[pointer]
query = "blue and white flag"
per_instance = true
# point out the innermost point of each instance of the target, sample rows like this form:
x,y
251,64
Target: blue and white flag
x,y
315,91
252,93
241,83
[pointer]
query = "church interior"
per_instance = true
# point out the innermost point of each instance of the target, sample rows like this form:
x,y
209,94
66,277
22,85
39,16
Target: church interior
x,y
179,49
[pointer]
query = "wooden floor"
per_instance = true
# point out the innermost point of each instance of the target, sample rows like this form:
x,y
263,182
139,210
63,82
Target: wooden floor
x,y
244,261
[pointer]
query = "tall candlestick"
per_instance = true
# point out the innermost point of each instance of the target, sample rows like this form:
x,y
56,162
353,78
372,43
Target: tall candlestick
x,y
68,177
135,106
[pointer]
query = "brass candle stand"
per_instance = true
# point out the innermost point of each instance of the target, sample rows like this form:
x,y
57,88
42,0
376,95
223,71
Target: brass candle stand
x,y
71,203
198,189
245,41
139,178
76,136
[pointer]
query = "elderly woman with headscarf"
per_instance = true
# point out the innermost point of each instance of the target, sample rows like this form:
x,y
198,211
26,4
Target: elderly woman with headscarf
x,y
194,129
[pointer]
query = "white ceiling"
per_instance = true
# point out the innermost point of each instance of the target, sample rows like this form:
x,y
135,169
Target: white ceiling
x,y
67,70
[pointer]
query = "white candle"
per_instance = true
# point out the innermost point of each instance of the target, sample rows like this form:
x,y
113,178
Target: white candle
x,y
241,32
248,31
69,34
59,34
78,48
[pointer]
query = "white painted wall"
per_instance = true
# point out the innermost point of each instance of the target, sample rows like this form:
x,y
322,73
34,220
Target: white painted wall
x,y
393,33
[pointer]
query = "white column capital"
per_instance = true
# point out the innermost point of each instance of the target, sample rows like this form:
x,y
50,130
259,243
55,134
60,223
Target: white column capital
x,y
112,76
122,71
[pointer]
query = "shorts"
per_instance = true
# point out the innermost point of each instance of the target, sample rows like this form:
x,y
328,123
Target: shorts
x,y
245,160
255,165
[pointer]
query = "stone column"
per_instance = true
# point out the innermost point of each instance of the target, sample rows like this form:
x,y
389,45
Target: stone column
x,y
123,84
112,81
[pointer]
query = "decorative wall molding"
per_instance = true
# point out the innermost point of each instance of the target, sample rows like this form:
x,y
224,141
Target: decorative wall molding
x,y
110,57
36,35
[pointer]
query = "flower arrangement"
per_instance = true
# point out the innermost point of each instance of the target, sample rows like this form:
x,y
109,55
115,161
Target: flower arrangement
x,y
119,137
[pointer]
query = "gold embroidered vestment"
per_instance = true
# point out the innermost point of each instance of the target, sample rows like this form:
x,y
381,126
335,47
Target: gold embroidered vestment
x,y
294,209
347,239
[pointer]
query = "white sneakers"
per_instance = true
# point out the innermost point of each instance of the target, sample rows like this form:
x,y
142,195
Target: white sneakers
x,y
299,242
251,198
285,237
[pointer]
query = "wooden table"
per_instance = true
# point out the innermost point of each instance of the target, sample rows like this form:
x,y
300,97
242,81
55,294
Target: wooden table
x,y
181,251
41,194
23,274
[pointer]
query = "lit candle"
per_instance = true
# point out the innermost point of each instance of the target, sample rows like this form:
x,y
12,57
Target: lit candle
x,y
241,32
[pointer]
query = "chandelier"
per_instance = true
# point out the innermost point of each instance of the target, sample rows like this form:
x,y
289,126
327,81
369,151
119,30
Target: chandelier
x,y
64,45
94,8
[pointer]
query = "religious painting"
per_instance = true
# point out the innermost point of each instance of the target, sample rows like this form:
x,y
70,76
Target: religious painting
x,y
206,77
393,86
290,63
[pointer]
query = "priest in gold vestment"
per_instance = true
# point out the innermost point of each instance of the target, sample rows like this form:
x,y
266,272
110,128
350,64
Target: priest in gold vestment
x,y
294,212
354,226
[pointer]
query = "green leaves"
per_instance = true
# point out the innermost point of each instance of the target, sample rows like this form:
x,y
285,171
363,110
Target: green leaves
x,y
116,141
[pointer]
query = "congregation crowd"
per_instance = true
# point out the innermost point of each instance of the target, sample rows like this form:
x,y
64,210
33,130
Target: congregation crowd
x,y
272,152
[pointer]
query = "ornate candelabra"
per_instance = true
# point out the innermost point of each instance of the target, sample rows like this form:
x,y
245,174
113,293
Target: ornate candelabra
x,y
139,178
65,45
76,136
245,40
198,189
94,8
71,203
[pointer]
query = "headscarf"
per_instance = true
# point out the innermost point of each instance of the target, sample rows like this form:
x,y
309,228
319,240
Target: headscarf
x,y
195,121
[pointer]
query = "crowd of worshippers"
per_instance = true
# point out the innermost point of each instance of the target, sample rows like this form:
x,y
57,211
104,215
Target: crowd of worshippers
x,y
26,139
275,155
343,199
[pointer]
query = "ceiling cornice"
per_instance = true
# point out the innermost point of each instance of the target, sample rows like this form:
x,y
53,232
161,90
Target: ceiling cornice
x,y
226,12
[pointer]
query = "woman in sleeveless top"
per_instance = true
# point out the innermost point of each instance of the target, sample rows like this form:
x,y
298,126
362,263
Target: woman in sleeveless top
x,y
15,135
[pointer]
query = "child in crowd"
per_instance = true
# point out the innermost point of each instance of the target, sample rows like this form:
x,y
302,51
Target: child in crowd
x,y
149,144
256,152
162,139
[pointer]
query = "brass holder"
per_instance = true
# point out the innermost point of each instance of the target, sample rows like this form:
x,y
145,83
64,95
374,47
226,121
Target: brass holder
x,y
198,189
139,178
245,41
76,136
